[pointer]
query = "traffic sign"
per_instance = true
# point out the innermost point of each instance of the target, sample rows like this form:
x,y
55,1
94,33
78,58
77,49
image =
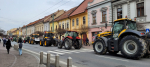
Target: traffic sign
x,y
147,30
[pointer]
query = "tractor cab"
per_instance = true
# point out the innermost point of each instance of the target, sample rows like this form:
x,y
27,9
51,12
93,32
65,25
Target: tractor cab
x,y
72,34
121,25
48,35
34,36
34,39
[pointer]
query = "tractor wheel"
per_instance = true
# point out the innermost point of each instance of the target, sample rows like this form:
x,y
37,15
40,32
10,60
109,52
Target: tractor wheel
x,y
147,55
115,52
33,41
45,43
133,47
78,44
29,42
41,44
68,44
100,47
59,45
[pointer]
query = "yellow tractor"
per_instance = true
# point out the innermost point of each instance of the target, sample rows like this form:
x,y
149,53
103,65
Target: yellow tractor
x,y
48,39
34,39
123,37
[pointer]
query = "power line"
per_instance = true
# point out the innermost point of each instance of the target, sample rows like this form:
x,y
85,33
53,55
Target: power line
x,y
44,10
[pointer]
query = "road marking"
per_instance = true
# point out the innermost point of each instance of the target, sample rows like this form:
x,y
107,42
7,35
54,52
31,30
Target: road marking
x,y
46,54
113,58
55,52
14,61
62,62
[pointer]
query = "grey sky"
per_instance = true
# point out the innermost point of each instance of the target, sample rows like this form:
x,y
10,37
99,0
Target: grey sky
x,y
16,13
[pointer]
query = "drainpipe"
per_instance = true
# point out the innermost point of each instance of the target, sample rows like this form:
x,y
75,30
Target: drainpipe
x,y
112,12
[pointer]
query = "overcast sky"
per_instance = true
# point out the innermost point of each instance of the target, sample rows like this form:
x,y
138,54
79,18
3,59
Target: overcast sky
x,y
16,13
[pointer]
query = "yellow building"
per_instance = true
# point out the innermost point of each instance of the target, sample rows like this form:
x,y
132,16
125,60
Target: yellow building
x,y
79,19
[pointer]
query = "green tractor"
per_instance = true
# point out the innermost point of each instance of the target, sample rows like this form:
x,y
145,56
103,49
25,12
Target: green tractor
x,y
123,37
34,39
48,39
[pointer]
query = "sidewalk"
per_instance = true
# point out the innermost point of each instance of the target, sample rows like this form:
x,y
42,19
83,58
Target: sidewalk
x,y
88,47
13,59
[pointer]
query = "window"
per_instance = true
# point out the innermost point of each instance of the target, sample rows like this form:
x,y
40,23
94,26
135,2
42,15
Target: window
x,y
63,25
119,13
59,25
77,21
94,19
67,25
84,21
56,27
104,16
73,22
140,9
51,28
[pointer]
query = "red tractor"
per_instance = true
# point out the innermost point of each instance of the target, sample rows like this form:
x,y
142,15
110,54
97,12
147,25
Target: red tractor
x,y
70,39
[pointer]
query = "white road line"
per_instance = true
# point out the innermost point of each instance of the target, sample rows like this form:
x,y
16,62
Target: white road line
x,y
113,58
55,52
14,61
88,49
46,54
62,62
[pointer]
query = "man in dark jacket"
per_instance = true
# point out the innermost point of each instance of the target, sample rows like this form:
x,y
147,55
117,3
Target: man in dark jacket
x,y
87,41
8,45
4,42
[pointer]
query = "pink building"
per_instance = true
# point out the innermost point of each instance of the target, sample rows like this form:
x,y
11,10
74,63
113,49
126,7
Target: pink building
x,y
99,17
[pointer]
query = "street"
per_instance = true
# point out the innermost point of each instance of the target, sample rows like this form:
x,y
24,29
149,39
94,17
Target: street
x,y
87,57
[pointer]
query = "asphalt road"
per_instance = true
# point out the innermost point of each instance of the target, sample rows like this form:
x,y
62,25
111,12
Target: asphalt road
x,y
87,57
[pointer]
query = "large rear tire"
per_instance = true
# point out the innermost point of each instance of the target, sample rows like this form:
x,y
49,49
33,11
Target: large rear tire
x,y
68,44
100,47
133,47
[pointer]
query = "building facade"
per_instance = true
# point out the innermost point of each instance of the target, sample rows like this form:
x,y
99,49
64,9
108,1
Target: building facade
x,y
99,17
133,9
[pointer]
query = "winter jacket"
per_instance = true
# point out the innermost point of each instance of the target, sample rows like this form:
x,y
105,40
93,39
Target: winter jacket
x,y
8,44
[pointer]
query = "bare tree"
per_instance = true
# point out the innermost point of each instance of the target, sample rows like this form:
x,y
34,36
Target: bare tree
x,y
60,32
82,30
2,32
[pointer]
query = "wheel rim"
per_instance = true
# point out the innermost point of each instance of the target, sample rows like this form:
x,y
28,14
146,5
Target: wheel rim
x,y
45,43
130,47
29,41
66,44
97,47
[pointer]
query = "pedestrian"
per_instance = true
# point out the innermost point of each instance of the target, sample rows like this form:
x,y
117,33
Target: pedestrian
x,y
20,46
84,41
0,40
87,42
4,41
8,45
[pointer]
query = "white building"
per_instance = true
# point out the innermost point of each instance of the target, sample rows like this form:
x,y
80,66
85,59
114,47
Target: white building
x,y
134,9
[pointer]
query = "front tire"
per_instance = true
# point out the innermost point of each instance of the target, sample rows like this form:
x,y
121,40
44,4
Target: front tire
x,y
45,43
100,47
133,47
41,43
68,44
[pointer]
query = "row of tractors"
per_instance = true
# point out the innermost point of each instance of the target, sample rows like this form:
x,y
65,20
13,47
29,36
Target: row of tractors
x,y
70,39
123,37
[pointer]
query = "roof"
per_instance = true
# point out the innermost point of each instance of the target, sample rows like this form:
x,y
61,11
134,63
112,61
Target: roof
x,y
66,14
49,18
122,19
81,8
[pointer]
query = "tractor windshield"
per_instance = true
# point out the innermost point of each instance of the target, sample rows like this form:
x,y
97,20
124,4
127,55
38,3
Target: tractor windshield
x,y
118,27
36,36
69,33
131,25
49,35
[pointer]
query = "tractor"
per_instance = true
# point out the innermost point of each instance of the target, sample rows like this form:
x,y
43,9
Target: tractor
x,y
34,39
48,39
123,37
26,39
70,39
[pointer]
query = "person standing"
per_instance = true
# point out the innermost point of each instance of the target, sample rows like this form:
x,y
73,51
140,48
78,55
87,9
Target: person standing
x,y
87,42
0,40
20,46
4,41
8,45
